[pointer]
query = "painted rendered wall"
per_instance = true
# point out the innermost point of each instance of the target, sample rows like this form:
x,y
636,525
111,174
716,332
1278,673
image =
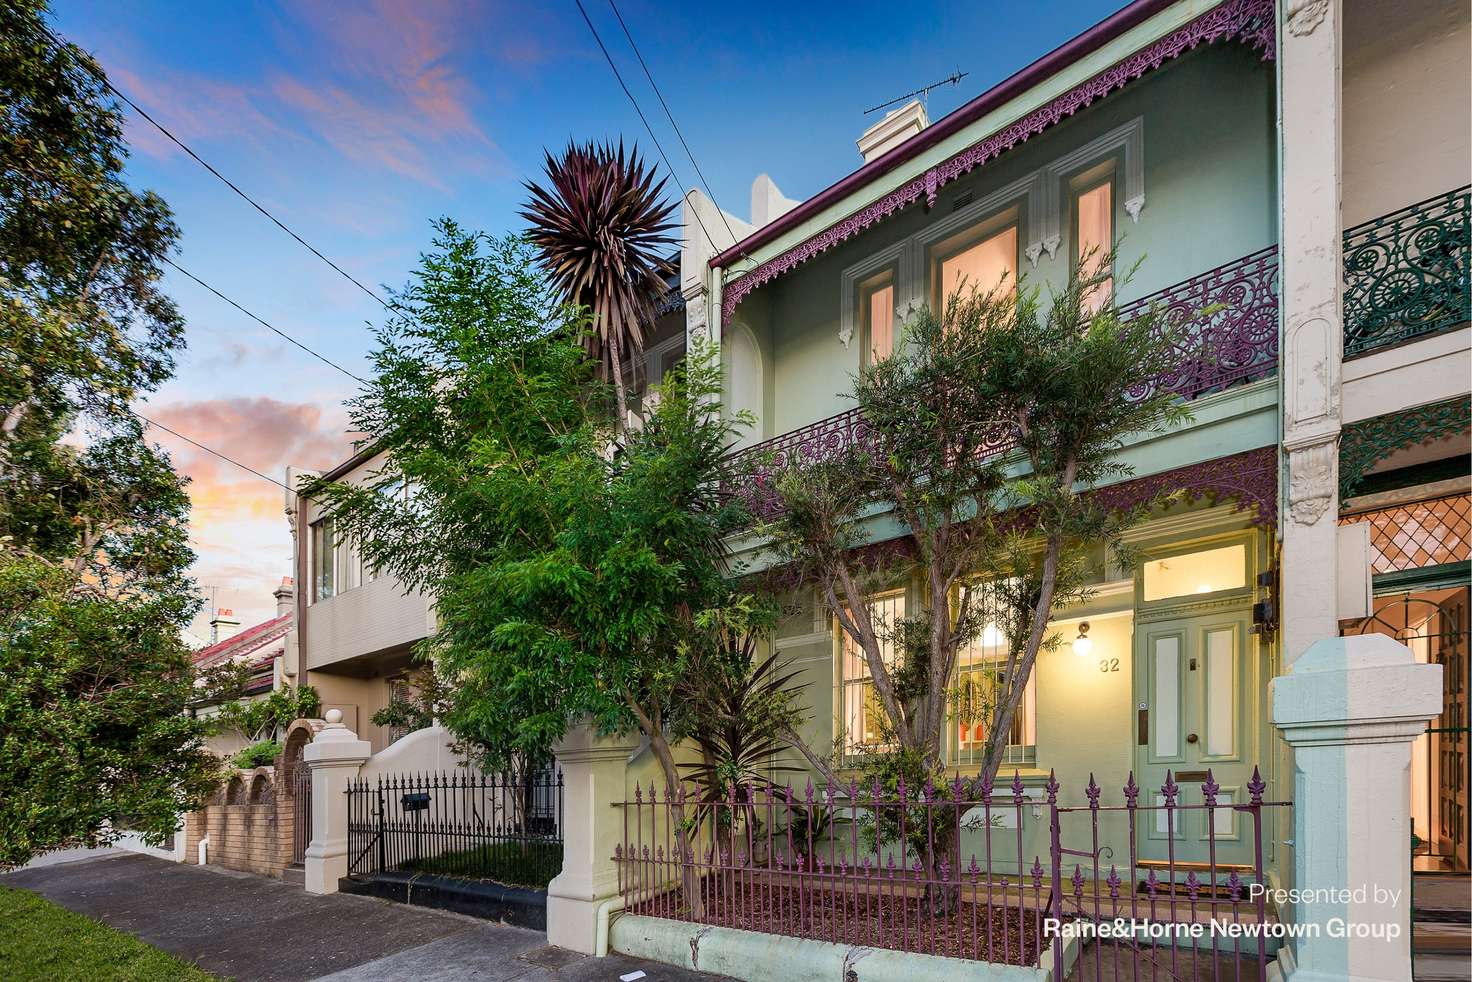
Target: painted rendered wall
x,y
1407,103
1210,193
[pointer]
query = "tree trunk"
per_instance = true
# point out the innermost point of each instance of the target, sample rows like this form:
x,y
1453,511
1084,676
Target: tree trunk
x,y
621,414
690,884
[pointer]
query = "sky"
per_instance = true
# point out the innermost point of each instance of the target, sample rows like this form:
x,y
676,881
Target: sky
x,y
358,122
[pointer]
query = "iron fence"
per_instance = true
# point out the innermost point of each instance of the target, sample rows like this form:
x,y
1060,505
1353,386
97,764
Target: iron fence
x,y
501,827
957,870
1406,274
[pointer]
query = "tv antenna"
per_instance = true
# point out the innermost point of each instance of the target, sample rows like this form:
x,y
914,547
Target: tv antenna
x,y
953,79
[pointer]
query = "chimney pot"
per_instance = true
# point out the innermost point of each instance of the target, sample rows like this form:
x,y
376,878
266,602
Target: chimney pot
x,y
285,595
223,625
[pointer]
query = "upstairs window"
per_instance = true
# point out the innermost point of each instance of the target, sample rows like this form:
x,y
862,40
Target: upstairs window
x,y
862,711
988,263
324,560
876,305
1093,235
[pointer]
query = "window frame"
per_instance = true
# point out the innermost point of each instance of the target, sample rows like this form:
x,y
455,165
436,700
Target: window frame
x,y
1025,721
322,544
941,251
849,747
886,279
1090,179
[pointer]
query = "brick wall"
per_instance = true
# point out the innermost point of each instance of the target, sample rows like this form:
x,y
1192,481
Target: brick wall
x,y
249,824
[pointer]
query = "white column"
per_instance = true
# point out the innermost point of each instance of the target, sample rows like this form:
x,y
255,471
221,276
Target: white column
x,y
1312,315
1350,708
334,755
593,769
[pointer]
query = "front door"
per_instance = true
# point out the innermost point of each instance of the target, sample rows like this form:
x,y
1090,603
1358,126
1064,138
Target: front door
x,y
1194,681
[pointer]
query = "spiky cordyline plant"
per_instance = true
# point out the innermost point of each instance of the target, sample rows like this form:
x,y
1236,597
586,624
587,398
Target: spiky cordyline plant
x,y
600,227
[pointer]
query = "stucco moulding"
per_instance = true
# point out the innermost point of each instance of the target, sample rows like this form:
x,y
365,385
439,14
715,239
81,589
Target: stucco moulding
x,y
1253,22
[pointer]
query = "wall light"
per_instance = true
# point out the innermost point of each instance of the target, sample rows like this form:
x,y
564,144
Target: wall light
x,y
1083,644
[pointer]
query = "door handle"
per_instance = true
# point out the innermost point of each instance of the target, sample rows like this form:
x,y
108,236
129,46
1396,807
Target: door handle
x,y
1191,738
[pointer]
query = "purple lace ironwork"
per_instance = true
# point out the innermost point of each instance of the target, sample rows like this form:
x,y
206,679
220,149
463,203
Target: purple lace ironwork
x,y
1235,341
1251,21
1233,313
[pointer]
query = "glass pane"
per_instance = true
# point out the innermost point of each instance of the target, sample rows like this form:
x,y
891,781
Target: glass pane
x,y
1166,700
1196,572
881,323
982,266
324,559
1221,691
1095,215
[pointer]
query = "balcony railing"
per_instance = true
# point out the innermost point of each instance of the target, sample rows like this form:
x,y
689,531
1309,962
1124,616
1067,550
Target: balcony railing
x,y
1236,342
1406,273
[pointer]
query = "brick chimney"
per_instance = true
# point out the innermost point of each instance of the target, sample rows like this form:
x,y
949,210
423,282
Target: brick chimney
x,y
223,625
285,595
894,129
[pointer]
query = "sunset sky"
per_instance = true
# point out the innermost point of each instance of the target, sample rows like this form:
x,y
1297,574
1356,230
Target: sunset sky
x,y
357,123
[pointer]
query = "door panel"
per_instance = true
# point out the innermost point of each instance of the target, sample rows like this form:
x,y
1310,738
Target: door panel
x,y
1195,687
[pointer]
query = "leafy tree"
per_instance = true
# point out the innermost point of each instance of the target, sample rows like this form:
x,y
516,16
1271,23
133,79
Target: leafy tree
x,y
93,730
427,700
987,544
567,571
599,226
94,680
260,720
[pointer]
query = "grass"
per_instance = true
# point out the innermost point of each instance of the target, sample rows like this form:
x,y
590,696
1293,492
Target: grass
x,y
40,940
510,863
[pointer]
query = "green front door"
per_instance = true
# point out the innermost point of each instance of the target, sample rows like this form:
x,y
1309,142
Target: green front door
x,y
1193,680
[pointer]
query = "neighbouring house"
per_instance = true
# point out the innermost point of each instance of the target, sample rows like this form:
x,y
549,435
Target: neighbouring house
x,y
1313,199
355,630
262,647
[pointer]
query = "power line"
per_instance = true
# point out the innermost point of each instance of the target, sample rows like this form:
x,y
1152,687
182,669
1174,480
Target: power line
x,y
320,357
228,183
635,102
201,446
674,125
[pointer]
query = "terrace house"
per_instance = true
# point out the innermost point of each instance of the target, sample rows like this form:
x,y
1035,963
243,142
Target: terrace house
x,y
1186,134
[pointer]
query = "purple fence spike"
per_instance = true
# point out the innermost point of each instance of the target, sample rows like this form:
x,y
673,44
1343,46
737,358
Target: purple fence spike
x,y
986,786
1152,883
973,869
638,793
957,786
1052,787
618,852
808,792
1078,880
787,794
875,792
1131,791
1256,786
659,854
1092,791
1113,882
1170,788
1017,787
1234,887
917,866
1193,885
1037,873
945,869
853,790
928,792
900,792
1209,788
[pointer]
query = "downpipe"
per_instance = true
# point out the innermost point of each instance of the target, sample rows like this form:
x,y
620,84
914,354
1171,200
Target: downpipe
x,y
601,917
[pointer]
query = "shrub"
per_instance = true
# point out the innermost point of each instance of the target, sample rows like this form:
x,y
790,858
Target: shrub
x,y
258,754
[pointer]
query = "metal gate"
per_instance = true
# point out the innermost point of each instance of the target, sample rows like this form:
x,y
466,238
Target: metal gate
x,y
1434,625
300,777
1182,920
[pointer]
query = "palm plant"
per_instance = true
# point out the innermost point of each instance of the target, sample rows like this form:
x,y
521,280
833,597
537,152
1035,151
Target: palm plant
x,y
601,224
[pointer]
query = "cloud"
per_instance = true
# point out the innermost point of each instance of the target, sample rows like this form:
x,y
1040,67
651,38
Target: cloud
x,y
196,109
237,526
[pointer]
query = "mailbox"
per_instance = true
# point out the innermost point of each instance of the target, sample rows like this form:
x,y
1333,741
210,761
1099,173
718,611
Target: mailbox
x,y
417,801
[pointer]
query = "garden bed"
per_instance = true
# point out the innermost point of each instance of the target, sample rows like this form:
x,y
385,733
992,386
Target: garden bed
x,y
973,930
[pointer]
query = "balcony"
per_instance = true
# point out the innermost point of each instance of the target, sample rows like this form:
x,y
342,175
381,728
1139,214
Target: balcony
x,y
1406,274
1236,343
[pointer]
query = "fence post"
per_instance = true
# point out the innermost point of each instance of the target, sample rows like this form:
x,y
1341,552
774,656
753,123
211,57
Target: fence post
x,y
334,755
593,769
1350,708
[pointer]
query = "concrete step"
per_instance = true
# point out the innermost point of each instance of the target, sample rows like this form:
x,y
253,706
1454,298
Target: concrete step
x,y
296,875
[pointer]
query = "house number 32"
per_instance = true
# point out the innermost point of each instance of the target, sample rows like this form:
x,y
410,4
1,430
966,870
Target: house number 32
x,y
1108,664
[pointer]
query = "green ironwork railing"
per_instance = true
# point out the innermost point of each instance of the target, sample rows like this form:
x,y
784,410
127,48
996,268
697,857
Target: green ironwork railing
x,y
1406,273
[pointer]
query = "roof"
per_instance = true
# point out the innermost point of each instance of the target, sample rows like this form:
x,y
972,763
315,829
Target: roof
x,y
1050,64
252,641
